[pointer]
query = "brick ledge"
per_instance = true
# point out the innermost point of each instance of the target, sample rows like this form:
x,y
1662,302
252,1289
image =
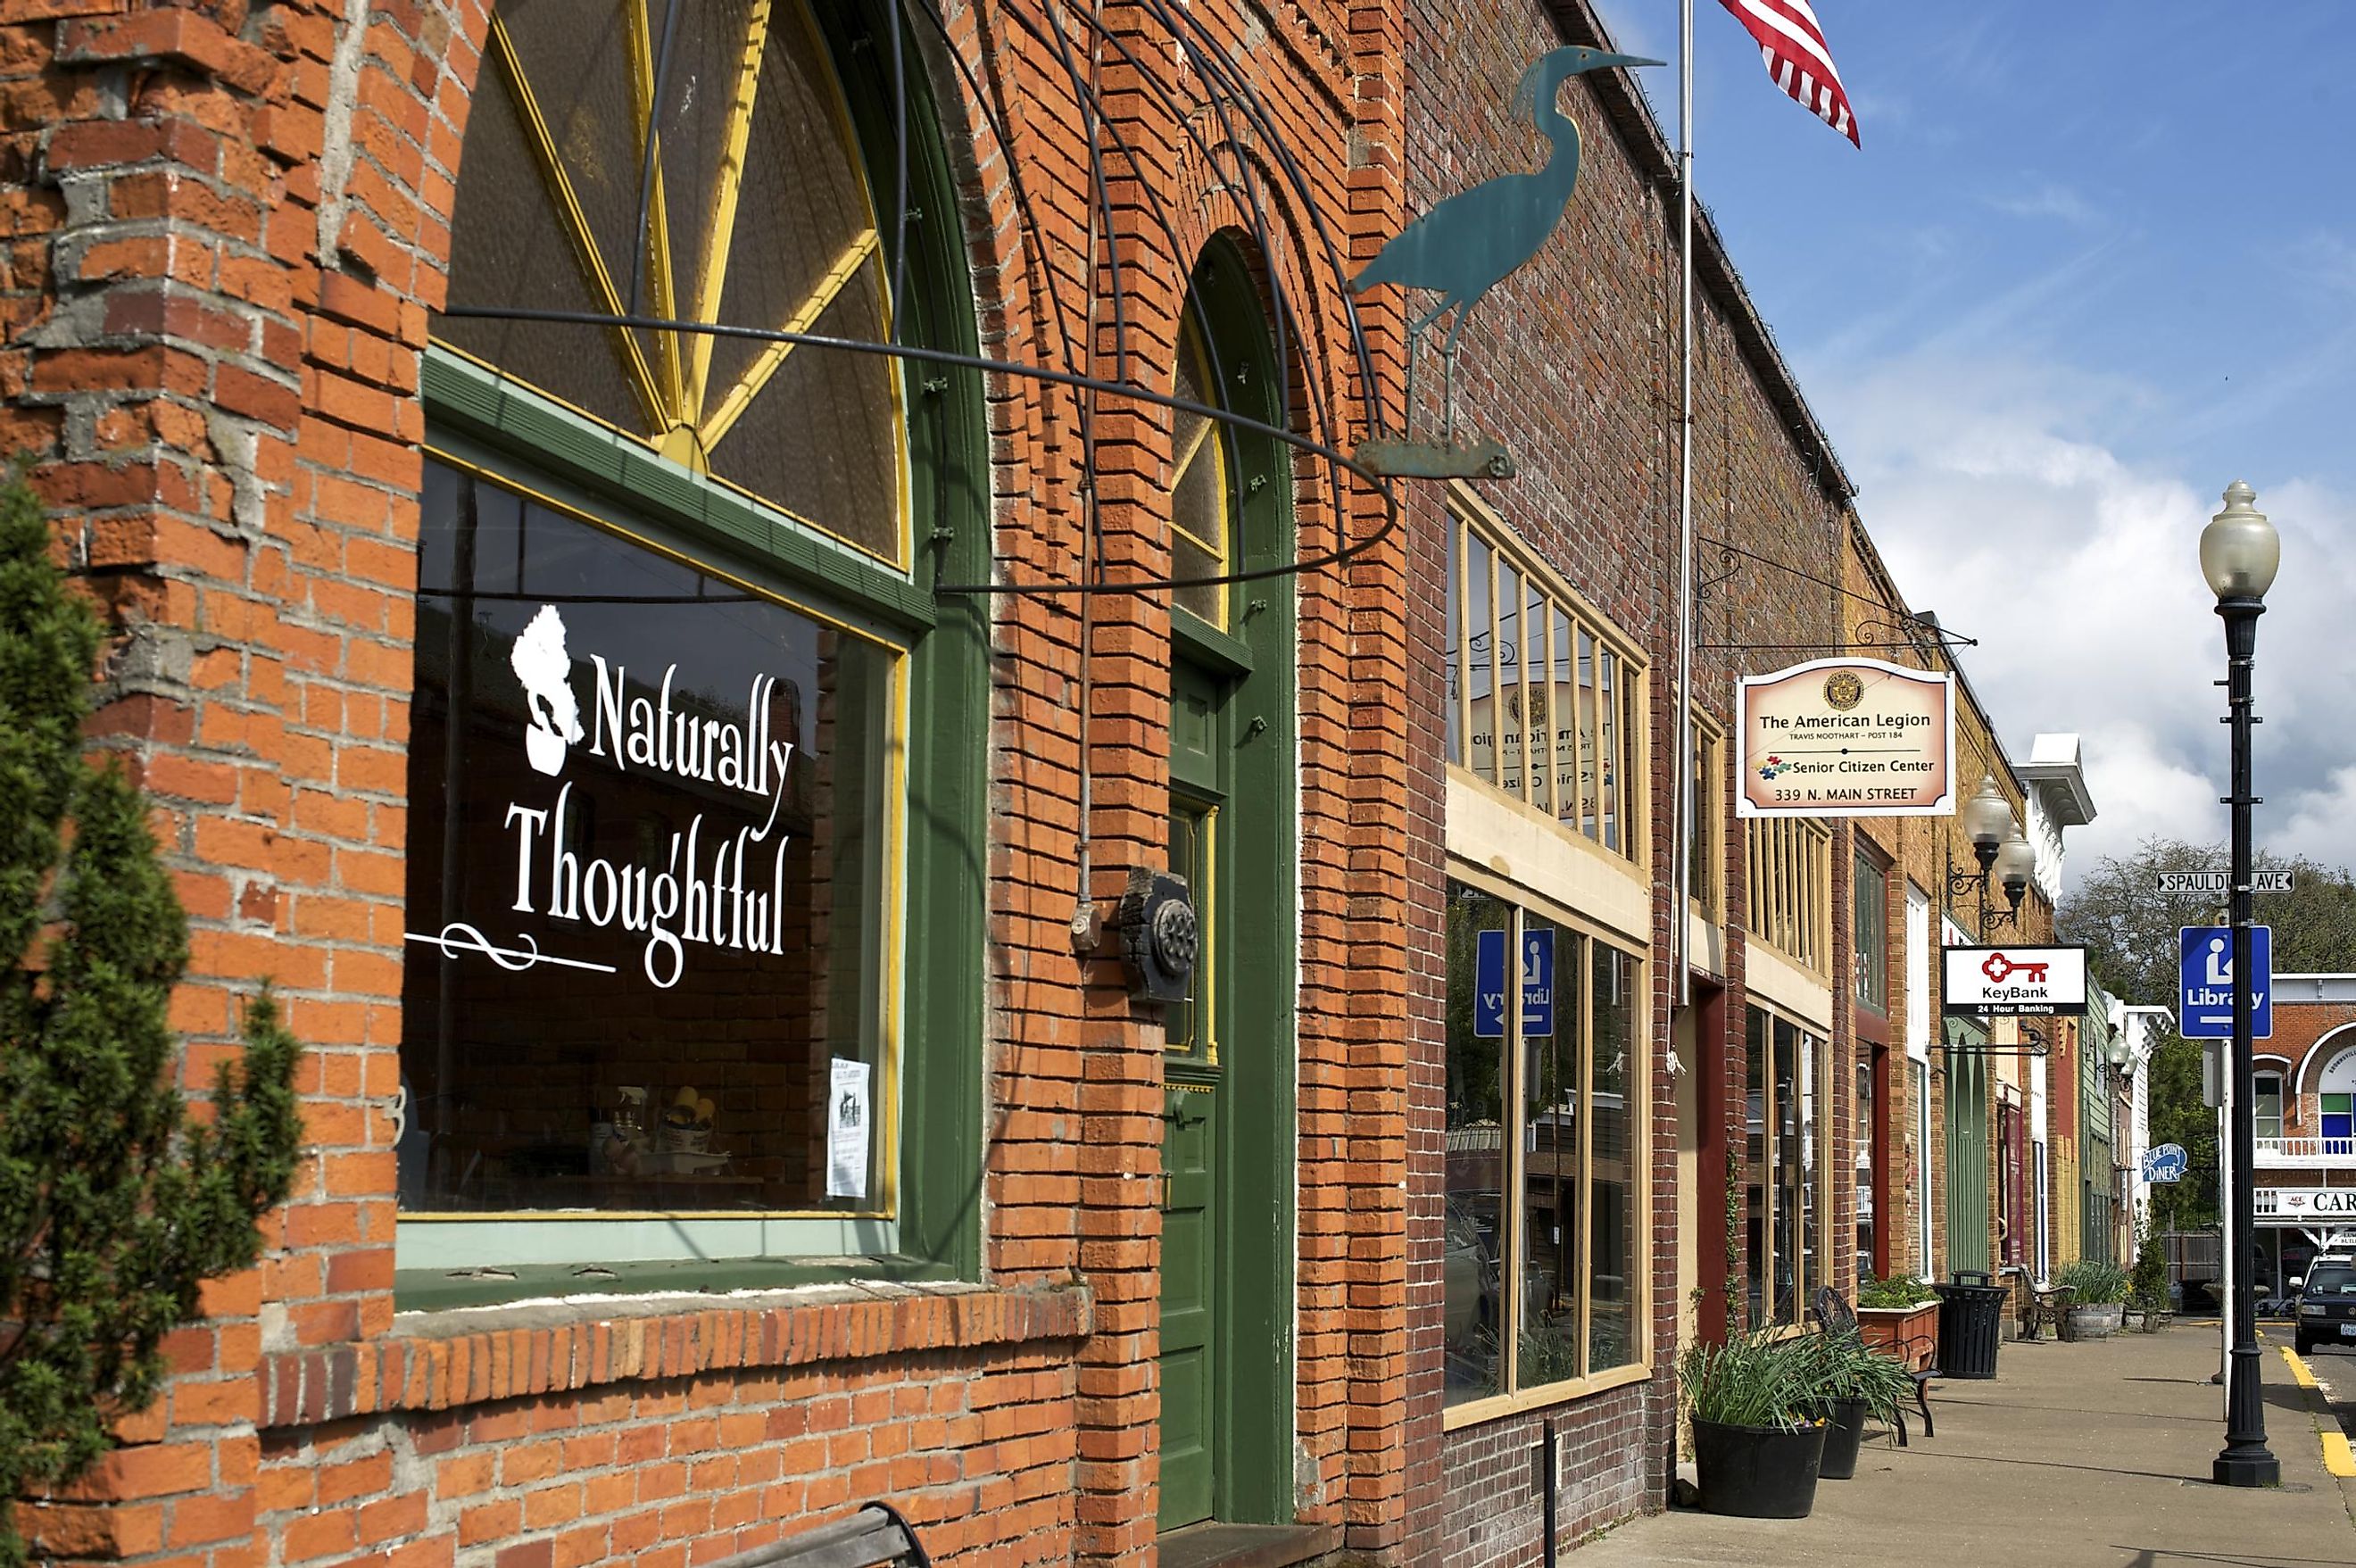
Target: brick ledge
x,y
473,1356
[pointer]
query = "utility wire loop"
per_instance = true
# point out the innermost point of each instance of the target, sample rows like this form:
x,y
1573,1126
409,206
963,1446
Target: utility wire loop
x,y
1375,483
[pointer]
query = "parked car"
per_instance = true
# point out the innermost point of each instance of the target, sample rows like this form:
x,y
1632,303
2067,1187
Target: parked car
x,y
2326,1305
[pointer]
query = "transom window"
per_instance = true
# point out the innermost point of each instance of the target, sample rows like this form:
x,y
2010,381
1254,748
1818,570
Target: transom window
x,y
758,215
1200,489
1789,891
1544,702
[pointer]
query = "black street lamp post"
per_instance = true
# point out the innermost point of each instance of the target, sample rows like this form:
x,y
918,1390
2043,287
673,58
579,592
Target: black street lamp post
x,y
2238,554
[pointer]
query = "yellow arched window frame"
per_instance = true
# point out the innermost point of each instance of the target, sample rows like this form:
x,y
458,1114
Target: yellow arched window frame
x,y
1201,485
758,215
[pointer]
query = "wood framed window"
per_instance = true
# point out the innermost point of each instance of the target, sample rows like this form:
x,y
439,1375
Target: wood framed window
x,y
1869,938
1547,1252
1786,1105
1791,886
1546,697
1705,820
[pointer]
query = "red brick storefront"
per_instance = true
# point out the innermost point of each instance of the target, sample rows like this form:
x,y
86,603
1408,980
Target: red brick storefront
x,y
232,227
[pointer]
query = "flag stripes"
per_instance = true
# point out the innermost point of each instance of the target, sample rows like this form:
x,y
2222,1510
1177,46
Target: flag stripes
x,y
1792,45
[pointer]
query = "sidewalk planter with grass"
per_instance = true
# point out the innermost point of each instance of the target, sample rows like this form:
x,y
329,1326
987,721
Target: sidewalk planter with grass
x,y
2097,1302
1756,1447
1900,1318
1848,1380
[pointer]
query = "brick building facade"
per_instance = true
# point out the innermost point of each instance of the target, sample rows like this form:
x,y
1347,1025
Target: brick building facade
x,y
893,1188
241,238
2304,1102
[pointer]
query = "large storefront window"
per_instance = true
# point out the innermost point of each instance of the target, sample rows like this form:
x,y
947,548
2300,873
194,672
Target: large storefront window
x,y
1557,1271
646,907
1785,1249
696,754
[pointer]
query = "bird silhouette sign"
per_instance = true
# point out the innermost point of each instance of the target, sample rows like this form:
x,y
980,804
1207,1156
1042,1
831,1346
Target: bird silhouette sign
x,y
1467,245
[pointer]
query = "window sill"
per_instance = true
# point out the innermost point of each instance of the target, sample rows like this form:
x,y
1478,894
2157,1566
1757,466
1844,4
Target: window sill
x,y
1495,1408
462,1355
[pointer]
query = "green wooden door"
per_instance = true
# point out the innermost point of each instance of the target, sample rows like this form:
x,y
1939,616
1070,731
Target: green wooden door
x,y
1193,1245
1967,1147
1230,1136
1190,1247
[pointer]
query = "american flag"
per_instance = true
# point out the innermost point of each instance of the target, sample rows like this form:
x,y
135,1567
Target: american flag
x,y
1792,45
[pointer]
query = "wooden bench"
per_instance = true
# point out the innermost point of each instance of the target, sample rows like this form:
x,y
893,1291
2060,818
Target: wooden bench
x,y
875,1534
1833,1316
2040,1307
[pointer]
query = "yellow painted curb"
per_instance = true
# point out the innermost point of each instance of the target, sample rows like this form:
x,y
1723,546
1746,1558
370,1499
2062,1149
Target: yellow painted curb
x,y
2337,1456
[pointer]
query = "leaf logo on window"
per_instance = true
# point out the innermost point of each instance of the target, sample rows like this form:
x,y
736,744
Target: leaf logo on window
x,y
542,664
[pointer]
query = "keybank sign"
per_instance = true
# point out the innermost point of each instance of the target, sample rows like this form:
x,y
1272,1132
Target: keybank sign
x,y
708,888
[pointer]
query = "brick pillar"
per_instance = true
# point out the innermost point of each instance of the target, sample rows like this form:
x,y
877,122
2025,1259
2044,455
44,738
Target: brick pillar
x,y
149,375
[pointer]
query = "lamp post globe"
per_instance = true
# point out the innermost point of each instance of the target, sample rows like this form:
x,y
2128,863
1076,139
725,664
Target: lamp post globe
x,y
1987,816
2016,863
2240,553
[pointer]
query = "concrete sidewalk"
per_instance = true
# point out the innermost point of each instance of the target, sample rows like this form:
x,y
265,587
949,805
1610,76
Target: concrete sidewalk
x,y
2093,1453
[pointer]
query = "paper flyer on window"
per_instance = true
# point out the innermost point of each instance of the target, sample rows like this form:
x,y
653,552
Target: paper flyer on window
x,y
847,1122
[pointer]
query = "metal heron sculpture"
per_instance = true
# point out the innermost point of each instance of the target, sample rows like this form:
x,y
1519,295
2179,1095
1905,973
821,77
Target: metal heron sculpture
x,y
1472,241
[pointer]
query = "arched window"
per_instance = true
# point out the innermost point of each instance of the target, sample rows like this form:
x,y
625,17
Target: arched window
x,y
759,215
2336,1091
695,758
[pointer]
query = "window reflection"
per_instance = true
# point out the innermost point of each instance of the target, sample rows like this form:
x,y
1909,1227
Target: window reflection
x,y
1473,1238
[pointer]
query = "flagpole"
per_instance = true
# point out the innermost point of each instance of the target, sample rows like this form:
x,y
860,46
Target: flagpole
x,y
1687,783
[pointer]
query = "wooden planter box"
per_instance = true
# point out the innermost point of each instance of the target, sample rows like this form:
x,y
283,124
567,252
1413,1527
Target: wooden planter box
x,y
1909,1333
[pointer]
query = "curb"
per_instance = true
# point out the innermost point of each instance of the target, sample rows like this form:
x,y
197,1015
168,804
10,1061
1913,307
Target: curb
x,y
2337,1458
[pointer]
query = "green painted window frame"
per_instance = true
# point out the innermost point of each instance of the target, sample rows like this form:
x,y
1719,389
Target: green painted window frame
x,y
936,1231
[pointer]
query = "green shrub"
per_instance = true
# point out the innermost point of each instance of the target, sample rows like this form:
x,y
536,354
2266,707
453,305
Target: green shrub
x,y
1759,1379
2149,1290
1904,1290
2093,1283
115,1204
1842,1367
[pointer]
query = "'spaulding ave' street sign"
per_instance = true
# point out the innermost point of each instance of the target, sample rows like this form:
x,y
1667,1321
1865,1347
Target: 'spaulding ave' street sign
x,y
2220,882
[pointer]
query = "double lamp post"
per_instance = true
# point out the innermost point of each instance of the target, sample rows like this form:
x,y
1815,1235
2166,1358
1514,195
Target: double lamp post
x,y
2239,555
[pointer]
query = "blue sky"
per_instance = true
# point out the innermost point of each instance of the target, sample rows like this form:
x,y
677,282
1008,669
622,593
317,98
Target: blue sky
x,y
2095,261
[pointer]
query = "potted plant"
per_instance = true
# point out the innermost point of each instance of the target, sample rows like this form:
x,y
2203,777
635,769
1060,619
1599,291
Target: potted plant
x,y
1756,1447
1849,1381
1899,1317
2148,1287
2098,1294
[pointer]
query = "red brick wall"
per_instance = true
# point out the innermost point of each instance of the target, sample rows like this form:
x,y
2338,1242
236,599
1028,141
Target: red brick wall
x,y
230,223
1571,364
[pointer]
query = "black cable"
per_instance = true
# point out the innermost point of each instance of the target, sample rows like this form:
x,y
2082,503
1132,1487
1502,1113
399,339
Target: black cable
x,y
1940,633
1380,483
657,93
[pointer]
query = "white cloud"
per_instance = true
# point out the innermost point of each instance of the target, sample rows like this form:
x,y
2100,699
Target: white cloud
x,y
2318,824
2046,199
1990,486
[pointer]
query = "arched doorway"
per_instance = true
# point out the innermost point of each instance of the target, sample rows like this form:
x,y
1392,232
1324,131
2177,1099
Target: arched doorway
x,y
1229,1139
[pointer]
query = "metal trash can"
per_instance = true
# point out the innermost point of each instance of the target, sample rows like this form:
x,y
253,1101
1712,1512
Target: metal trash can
x,y
1971,1321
